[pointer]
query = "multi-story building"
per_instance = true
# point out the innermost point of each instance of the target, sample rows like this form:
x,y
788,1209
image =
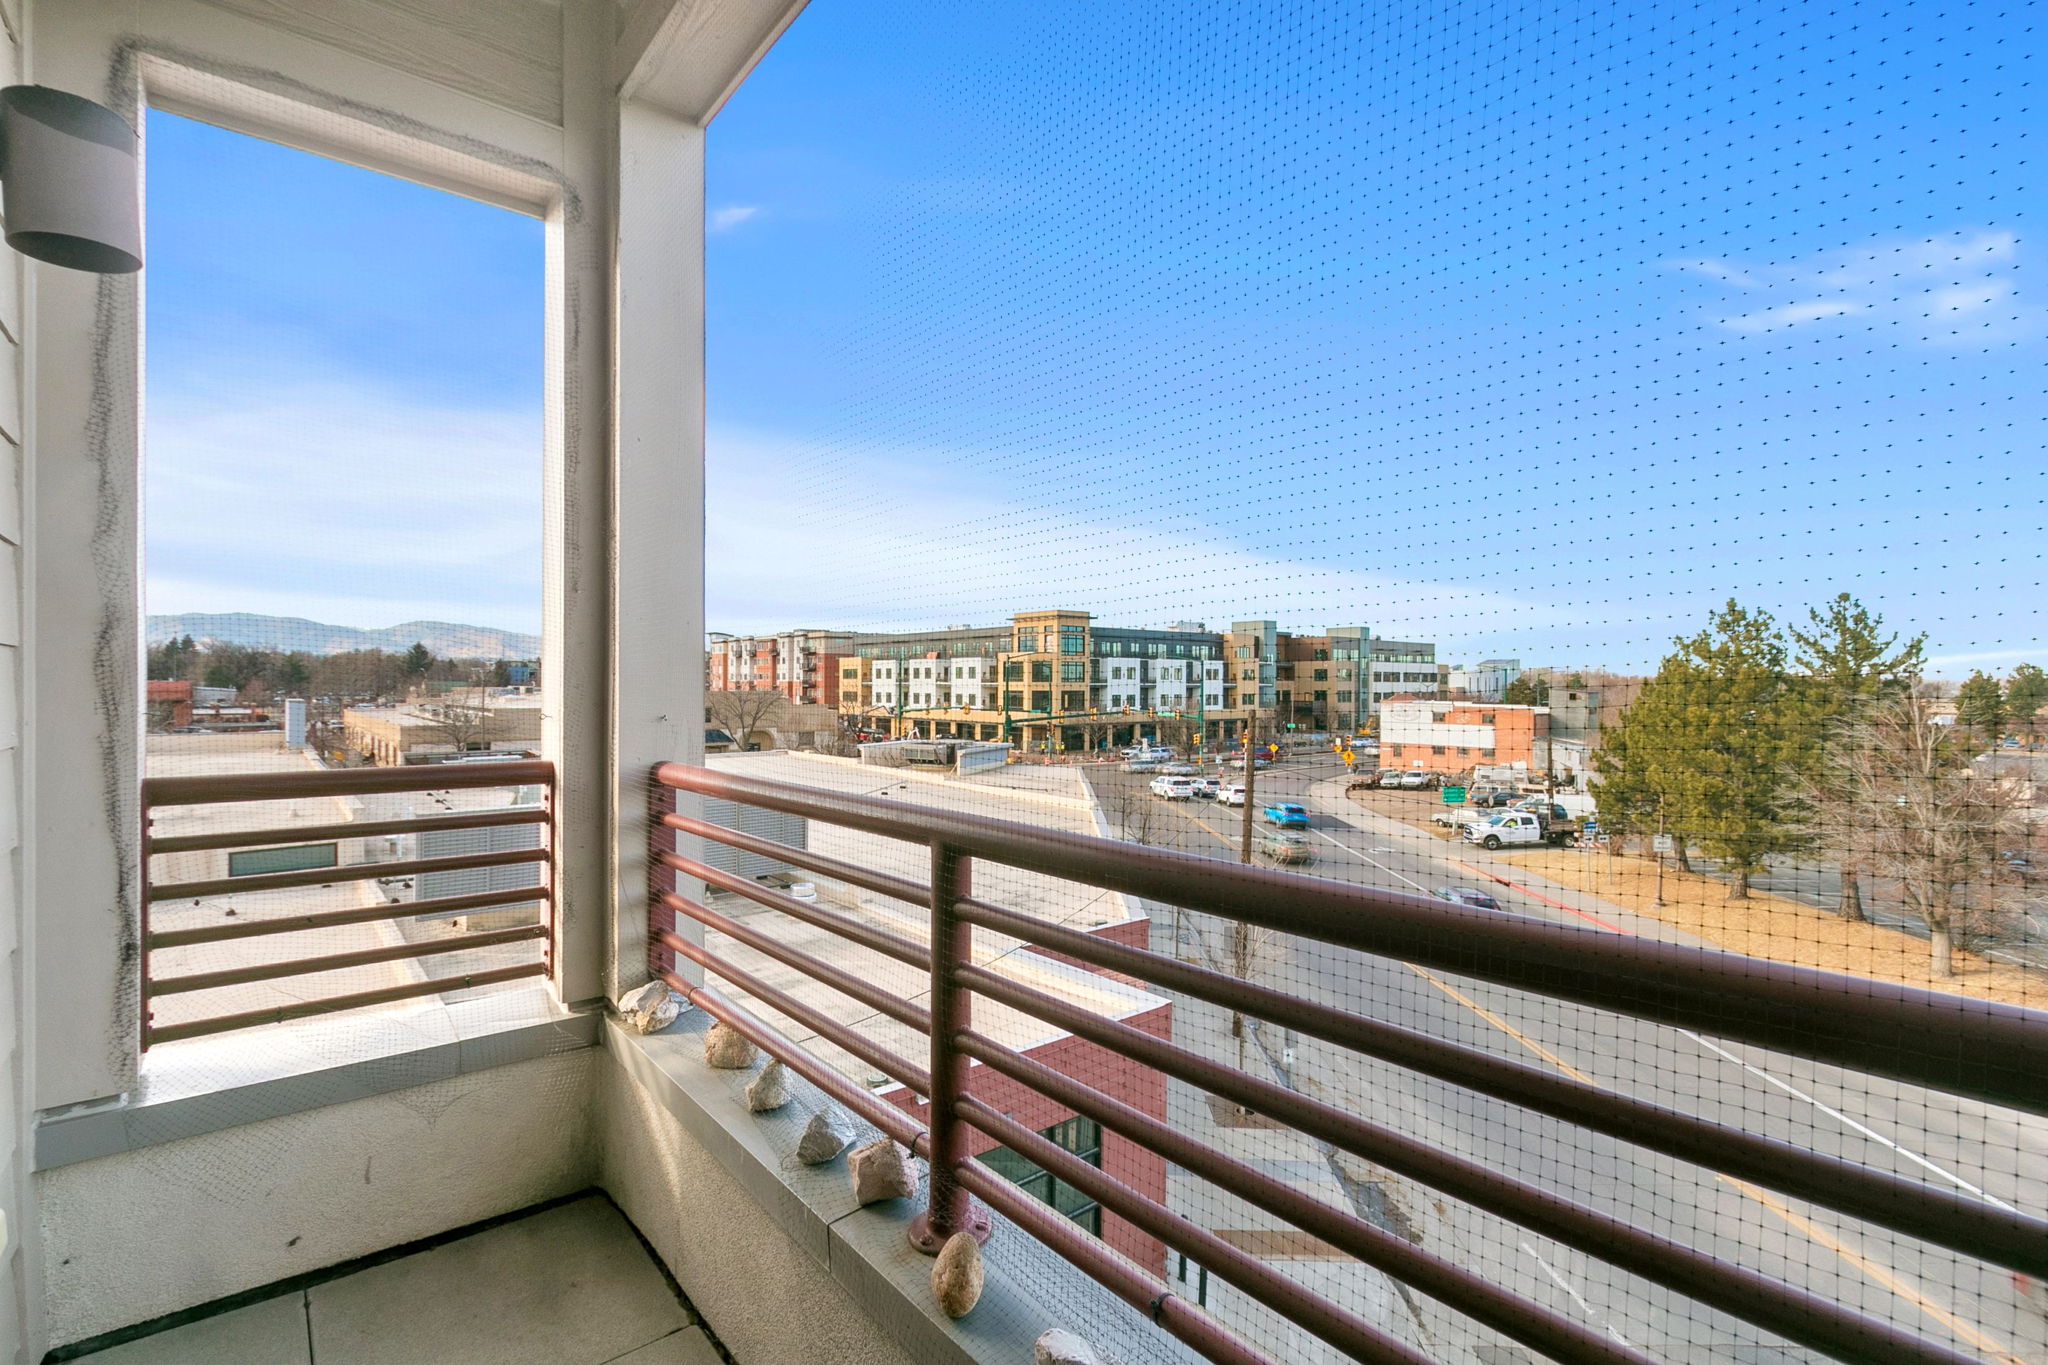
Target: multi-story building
x,y
1451,736
1485,680
1058,680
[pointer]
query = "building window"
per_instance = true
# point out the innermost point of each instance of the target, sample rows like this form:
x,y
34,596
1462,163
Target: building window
x,y
1322,696
1073,701
1486,718
1462,751
1486,753
1027,642
1041,670
1013,701
1073,640
298,858
1013,671
1188,1272
1041,701
1082,1137
1436,748
1343,697
1073,672
1322,675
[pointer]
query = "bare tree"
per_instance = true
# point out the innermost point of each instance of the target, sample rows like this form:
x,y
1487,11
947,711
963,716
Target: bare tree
x,y
1134,812
1896,796
743,712
1250,952
465,723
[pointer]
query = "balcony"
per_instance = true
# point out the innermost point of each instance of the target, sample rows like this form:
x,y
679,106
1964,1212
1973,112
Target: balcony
x,y
617,1057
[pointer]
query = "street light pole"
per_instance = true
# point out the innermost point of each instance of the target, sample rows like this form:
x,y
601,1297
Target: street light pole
x,y
1244,852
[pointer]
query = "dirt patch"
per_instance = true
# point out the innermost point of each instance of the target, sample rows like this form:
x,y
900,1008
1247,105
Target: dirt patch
x,y
1777,929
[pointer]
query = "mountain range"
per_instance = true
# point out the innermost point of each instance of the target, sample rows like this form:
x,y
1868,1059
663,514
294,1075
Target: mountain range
x,y
446,639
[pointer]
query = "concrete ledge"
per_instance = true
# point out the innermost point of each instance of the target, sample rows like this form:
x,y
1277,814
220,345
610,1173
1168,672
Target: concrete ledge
x,y
1030,1288
189,1089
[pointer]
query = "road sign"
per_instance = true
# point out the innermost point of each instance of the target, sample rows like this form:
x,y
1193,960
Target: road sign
x,y
1454,796
1663,843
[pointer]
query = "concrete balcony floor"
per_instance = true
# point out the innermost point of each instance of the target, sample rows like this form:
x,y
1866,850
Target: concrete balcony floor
x,y
566,1284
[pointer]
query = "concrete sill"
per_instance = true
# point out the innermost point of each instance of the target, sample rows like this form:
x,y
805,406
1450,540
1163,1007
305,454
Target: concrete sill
x,y
1029,1288
207,1084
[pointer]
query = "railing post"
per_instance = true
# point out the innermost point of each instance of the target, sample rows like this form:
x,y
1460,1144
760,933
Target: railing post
x,y
947,1207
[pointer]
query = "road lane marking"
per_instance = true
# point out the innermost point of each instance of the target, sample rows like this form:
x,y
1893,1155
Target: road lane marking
x,y
1878,1273
1537,895
1577,1298
1503,1025
1864,1129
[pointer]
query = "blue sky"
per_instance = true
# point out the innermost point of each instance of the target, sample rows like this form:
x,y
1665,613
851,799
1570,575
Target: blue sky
x,y
344,384
1535,332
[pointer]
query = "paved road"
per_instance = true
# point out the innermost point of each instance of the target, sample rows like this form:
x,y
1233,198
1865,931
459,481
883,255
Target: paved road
x,y
1992,1153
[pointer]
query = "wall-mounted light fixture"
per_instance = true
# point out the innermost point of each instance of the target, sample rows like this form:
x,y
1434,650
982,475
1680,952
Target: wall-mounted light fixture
x,y
68,181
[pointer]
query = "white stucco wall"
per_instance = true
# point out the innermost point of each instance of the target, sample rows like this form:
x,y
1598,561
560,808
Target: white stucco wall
x,y
131,1237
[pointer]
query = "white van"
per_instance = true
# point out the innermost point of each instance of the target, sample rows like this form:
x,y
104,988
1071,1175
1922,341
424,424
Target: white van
x,y
1230,794
1174,788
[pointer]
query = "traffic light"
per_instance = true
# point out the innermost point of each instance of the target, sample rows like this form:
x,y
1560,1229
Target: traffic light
x,y
1290,725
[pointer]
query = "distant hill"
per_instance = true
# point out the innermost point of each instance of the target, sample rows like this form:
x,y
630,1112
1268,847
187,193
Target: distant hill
x,y
286,633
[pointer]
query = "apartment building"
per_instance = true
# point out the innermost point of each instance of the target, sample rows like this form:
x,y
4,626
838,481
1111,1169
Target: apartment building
x,y
803,665
1483,681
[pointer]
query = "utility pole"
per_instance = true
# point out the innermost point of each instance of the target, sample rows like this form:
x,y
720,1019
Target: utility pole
x,y
1660,859
1244,852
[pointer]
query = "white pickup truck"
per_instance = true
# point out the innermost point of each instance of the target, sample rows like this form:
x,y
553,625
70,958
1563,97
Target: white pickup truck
x,y
1519,827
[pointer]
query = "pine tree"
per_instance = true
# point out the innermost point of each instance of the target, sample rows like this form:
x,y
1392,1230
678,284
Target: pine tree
x,y
1849,665
2026,692
418,660
1980,705
1712,741
1526,691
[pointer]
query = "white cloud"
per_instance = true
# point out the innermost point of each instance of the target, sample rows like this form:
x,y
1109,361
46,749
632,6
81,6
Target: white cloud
x,y
730,217
920,542
341,502
1955,289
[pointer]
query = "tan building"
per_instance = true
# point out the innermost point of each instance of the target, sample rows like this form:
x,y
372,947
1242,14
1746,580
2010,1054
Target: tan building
x,y
419,731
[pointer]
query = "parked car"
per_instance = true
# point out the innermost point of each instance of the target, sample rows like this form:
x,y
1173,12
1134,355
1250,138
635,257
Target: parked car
x,y
1535,804
1465,895
1230,794
1174,788
1259,764
1179,769
1491,799
1286,815
1141,765
1283,846
1207,787
1415,781
1519,827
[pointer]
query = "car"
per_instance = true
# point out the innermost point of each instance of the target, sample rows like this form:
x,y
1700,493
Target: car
x,y
1283,846
1141,765
1491,799
1410,782
1286,815
1259,764
1174,788
1231,794
1179,769
1534,805
1465,895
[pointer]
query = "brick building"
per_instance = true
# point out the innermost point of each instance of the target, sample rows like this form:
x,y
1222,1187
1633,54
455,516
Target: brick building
x,y
1451,736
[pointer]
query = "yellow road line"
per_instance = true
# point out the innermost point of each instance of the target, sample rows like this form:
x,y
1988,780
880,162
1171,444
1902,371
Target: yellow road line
x,y
1880,1274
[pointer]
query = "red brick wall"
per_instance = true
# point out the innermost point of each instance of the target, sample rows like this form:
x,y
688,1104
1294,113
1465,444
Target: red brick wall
x,y
1114,1075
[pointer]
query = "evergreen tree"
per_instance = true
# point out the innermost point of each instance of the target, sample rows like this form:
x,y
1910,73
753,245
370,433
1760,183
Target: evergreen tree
x,y
419,660
2026,692
1712,742
1980,705
1526,691
1848,664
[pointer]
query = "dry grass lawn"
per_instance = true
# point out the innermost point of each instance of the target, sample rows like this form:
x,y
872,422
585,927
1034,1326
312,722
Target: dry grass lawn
x,y
1780,930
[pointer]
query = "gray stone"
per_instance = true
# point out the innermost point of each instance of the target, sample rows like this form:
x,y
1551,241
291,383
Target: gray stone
x,y
728,1049
957,1275
770,1089
881,1171
1058,1346
824,1137
654,1006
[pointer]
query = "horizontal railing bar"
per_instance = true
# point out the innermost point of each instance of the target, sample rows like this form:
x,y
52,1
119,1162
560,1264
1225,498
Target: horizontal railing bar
x,y
1290,1299
349,872
845,926
887,1117
198,791
1479,1298
896,888
358,829
1790,1312
171,1033
903,1072
334,919
1173,1312
1947,1218
334,962
874,997
1988,1051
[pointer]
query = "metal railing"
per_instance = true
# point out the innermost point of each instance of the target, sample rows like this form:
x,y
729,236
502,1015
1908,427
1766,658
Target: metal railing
x,y
240,920
1961,1047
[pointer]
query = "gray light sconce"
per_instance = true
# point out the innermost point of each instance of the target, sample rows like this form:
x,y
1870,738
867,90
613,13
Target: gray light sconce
x,y
68,182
